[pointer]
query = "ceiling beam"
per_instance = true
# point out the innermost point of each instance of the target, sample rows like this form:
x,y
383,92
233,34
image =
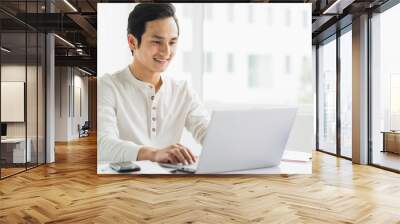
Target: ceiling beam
x,y
85,25
337,6
82,61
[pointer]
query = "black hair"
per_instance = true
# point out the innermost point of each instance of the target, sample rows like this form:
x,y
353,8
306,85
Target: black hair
x,y
145,12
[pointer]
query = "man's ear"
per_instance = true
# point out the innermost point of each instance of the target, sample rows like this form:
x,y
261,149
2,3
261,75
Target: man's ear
x,y
132,42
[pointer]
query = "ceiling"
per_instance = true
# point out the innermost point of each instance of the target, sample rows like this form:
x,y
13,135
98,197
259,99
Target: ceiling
x,y
76,26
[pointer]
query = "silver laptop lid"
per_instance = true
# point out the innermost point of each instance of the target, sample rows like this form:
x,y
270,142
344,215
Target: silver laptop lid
x,y
245,139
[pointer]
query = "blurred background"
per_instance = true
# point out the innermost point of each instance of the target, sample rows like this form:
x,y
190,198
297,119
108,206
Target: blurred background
x,y
234,56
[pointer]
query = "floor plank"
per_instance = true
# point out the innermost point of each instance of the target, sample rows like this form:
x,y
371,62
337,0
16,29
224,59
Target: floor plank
x,y
70,191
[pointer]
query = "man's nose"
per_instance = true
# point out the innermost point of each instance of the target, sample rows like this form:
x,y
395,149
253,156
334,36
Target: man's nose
x,y
165,49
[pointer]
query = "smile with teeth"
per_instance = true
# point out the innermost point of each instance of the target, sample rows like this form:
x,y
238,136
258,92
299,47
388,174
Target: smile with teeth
x,y
161,60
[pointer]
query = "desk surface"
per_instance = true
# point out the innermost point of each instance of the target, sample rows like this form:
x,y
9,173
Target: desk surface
x,y
390,132
13,140
292,163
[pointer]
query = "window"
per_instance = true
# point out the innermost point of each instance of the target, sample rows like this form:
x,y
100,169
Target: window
x,y
187,11
327,97
306,82
230,63
250,13
230,12
394,101
270,15
254,69
288,64
259,70
187,62
254,66
209,62
182,66
288,17
385,88
209,11
346,94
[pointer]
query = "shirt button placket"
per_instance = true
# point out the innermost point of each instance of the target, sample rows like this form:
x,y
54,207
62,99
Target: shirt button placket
x,y
153,114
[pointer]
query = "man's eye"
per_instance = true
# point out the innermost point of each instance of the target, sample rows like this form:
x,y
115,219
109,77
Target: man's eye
x,y
157,42
172,43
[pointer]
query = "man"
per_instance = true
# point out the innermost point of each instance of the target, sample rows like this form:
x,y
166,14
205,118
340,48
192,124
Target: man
x,y
142,113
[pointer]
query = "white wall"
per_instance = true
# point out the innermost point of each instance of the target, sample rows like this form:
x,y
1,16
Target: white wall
x,y
61,103
79,117
67,116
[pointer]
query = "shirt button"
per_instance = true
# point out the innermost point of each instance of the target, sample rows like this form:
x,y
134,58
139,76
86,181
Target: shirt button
x,y
150,87
153,129
152,97
153,119
153,108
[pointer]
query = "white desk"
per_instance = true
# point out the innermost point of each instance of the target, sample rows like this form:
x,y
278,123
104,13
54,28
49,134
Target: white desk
x,y
18,149
292,163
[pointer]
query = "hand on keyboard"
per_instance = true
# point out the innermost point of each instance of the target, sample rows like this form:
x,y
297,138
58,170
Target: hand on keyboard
x,y
175,154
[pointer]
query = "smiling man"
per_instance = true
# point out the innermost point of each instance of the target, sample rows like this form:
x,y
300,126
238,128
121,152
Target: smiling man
x,y
141,112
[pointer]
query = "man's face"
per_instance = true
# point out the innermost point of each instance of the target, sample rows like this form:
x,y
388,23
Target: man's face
x,y
158,45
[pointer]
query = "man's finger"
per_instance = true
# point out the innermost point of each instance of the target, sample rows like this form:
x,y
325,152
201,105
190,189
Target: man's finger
x,y
177,153
192,156
172,158
186,154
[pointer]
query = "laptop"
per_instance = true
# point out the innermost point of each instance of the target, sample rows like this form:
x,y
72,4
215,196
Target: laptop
x,y
242,140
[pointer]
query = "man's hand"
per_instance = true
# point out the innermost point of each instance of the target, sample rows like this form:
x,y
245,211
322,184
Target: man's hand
x,y
172,154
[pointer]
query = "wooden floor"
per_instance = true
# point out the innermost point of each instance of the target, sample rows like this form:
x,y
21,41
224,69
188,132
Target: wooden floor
x,y
70,191
10,171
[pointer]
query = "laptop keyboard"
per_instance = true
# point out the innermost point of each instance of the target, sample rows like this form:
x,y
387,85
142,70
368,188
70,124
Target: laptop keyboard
x,y
180,167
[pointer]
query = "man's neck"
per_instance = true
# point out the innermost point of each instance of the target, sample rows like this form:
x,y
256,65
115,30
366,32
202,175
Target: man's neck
x,y
145,75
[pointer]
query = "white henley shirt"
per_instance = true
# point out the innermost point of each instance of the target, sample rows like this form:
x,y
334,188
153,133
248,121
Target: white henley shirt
x,y
131,115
